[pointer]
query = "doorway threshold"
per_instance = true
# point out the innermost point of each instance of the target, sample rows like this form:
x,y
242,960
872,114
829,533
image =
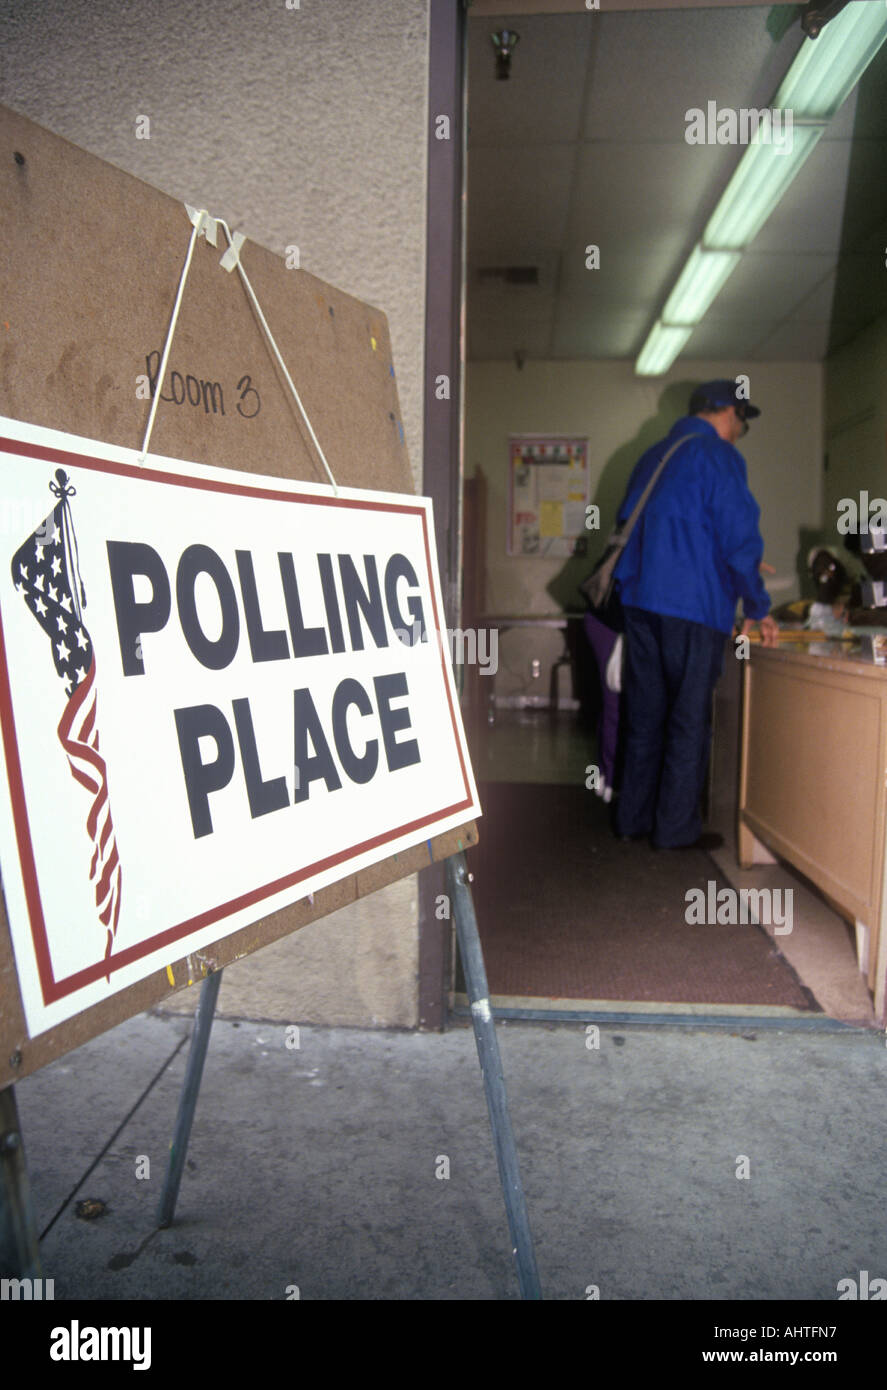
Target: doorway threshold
x,y
626,1013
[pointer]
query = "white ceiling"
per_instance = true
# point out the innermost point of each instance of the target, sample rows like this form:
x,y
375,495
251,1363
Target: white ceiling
x,y
584,144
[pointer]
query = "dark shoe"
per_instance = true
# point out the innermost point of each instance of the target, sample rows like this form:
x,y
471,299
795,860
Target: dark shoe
x,y
710,839
642,835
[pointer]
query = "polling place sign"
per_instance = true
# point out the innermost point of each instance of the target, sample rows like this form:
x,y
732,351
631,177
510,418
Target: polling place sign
x,y
219,692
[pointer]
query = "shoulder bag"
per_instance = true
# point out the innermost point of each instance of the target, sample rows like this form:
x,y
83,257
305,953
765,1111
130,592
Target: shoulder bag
x,y
598,587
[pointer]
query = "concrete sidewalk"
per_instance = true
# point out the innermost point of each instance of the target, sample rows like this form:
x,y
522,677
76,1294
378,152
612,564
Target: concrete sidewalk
x,y
318,1166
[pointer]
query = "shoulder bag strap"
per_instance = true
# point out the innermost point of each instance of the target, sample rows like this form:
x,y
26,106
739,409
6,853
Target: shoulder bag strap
x,y
621,534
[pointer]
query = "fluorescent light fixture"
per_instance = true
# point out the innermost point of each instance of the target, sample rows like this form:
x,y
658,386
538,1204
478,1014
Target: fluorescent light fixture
x,y
761,178
827,68
663,344
698,284
820,79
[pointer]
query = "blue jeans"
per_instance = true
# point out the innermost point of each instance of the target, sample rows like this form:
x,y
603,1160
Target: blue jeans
x,y
671,669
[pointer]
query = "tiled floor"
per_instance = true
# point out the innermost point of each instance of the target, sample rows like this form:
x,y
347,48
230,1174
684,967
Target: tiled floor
x,y
532,746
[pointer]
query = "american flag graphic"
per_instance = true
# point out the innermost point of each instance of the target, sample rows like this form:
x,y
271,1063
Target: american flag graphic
x,y
45,571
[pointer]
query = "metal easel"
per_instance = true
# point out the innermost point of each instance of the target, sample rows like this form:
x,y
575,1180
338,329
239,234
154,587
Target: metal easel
x,y
458,880
19,1249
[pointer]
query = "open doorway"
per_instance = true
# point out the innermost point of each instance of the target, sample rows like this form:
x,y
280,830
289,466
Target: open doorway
x,y
584,201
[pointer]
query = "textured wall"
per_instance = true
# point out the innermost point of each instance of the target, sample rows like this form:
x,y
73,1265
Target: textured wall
x,y
301,126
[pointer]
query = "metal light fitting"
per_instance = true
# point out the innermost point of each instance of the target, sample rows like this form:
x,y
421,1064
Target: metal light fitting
x,y
504,43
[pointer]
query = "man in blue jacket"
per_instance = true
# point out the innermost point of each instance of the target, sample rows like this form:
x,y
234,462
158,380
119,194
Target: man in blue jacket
x,y
695,551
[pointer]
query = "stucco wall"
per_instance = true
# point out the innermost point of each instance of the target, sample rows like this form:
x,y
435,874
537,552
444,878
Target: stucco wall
x,y
301,124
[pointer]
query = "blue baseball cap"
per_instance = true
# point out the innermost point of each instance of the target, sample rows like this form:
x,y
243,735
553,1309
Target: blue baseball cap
x,y
716,395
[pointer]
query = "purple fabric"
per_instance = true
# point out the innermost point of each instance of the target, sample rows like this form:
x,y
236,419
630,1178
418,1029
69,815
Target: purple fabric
x,y
603,640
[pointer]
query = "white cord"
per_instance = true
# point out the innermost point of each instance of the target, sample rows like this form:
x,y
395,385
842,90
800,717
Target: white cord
x,y
276,351
195,232
202,222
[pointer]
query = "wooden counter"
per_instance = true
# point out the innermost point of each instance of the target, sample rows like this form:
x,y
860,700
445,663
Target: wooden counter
x,y
813,782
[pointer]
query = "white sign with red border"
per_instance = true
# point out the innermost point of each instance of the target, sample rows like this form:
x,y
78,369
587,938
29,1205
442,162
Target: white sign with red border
x,y
219,692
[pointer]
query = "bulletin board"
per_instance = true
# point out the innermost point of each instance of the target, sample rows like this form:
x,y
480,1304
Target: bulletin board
x,y
88,278
548,491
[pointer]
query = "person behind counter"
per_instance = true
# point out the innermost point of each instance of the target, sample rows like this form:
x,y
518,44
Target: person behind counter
x,y
837,595
694,552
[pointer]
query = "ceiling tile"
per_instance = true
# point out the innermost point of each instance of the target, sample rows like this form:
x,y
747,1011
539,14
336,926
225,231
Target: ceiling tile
x,y
634,279
517,198
787,279
818,305
727,337
496,339
649,69
542,100
810,215
518,303
539,194
794,342
629,196
602,332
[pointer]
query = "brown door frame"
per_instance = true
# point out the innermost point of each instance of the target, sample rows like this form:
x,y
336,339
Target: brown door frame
x,y
443,405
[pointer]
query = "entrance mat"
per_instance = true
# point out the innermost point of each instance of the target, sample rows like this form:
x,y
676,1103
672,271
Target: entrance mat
x,y
565,910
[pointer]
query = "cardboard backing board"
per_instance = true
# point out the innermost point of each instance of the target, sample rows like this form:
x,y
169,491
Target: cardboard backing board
x,y
90,266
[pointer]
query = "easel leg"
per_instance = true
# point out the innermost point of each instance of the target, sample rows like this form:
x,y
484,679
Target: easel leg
x,y
19,1248
494,1081
188,1103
